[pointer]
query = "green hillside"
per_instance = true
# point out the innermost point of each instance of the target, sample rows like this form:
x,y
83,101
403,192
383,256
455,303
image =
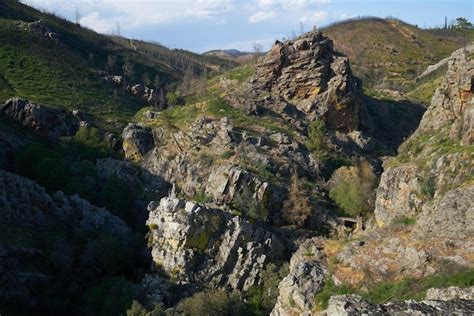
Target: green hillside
x,y
68,71
388,53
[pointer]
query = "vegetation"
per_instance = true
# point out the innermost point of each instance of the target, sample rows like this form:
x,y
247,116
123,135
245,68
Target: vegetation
x,y
316,142
410,288
262,298
393,53
354,191
138,309
404,221
212,303
297,209
247,204
70,167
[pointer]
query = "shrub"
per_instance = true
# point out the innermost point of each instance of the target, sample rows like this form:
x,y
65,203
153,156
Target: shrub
x,y
297,208
212,303
138,309
174,98
117,196
404,221
355,191
428,187
245,202
112,296
261,299
316,141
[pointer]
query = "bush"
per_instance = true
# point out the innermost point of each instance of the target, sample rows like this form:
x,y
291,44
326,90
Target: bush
x,y
212,303
316,141
354,192
261,299
111,296
174,98
297,208
118,197
138,309
245,202
428,187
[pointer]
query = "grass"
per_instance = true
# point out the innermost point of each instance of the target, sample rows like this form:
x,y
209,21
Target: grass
x,y
406,221
410,288
390,53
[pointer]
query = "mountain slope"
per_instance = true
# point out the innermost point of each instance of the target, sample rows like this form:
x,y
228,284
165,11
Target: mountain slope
x,y
62,64
389,53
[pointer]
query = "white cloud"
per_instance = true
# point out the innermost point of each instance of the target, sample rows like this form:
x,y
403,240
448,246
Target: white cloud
x,y
290,4
100,15
261,16
316,18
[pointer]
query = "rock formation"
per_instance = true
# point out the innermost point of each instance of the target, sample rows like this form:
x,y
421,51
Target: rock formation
x,y
436,303
423,214
42,119
310,75
207,247
137,141
306,278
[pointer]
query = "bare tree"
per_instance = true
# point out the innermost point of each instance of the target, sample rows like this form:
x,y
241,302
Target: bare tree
x,y
78,16
110,65
257,50
128,71
301,28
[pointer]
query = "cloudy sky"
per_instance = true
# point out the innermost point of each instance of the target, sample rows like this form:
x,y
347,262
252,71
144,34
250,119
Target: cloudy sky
x,y
201,25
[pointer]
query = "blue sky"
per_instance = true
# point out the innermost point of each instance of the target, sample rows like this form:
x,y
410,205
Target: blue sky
x,y
201,25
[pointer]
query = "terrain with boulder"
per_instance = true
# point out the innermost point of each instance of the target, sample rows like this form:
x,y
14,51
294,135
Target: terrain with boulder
x,y
275,188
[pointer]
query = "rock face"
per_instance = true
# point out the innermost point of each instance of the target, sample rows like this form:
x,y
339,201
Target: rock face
x,y
423,212
453,102
41,230
462,304
310,75
306,278
207,247
137,141
44,120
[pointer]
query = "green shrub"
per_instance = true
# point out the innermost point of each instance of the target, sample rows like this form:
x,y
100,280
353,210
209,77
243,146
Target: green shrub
x,y
118,196
404,221
428,187
112,296
262,298
354,193
316,141
212,303
330,289
138,309
245,202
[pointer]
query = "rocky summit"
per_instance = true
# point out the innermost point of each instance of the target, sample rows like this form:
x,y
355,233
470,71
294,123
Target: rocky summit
x,y
310,75
141,180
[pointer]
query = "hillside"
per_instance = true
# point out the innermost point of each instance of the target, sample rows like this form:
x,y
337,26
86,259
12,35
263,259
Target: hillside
x,y
231,54
62,64
388,53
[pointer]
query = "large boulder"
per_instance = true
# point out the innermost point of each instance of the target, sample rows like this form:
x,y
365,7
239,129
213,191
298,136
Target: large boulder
x,y
306,279
461,304
197,245
42,119
310,75
137,141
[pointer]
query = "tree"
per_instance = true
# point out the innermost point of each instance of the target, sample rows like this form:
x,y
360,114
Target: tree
x,y
354,192
111,61
128,71
77,16
316,142
257,50
297,208
462,23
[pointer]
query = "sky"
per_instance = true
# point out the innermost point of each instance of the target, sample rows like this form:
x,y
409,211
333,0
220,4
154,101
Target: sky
x,y
203,25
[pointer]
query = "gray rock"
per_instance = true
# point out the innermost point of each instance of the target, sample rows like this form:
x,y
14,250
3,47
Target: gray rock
x,y
42,119
197,245
354,305
137,141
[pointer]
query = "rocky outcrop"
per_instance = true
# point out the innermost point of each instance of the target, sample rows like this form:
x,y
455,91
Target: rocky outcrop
x,y
42,119
194,244
51,244
423,210
452,106
137,141
450,293
310,75
444,62
306,278
146,93
38,27
24,201
433,305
